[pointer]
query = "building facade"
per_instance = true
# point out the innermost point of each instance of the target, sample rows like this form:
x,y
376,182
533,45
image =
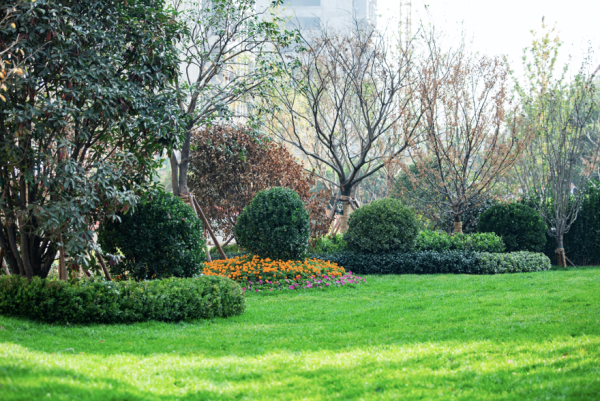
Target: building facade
x,y
337,14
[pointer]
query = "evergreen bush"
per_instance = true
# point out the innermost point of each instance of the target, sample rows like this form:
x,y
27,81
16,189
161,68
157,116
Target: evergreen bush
x,y
433,262
89,301
161,238
384,225
442,241
275,225
521,227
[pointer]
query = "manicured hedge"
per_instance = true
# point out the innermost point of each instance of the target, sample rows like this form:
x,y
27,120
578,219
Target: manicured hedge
x,y
430,262
172,299
442,241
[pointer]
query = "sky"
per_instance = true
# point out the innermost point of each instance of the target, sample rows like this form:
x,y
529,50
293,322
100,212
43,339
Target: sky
x,y
504,27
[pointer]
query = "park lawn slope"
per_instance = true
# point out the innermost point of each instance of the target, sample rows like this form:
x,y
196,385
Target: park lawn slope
x,y
519,336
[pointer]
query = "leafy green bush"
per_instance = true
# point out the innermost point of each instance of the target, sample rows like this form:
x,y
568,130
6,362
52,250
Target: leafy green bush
x,y
329,243
384,225
442,241
520,226
430,262
172,299
161,238
275,225
513,262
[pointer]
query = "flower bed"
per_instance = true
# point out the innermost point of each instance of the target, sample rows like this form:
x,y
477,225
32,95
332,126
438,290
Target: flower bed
x,y
246,269
313,282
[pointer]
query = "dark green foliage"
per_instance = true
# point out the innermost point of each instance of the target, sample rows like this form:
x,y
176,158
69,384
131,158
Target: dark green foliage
x,y
442,241
384,225
87,302
161,238
275,225
429,262
582,242
520,226
79,131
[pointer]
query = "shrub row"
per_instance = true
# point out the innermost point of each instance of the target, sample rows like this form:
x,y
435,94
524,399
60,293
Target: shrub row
x,y
442,241
172,299
431,262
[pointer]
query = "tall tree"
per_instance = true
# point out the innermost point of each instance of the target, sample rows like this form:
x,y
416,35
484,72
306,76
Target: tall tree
x,y
559,116
467,142
78,131
225,56
347,105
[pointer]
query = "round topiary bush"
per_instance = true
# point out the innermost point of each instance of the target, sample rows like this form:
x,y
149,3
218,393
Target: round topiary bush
x,y
384,225
161,238
520,226
275,225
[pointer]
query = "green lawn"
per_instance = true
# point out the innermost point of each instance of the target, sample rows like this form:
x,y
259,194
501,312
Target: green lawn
x,y
519,336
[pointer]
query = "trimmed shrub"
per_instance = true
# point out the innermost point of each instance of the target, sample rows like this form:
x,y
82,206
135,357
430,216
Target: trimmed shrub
x,y
86,302
513,262
384,225
442,241
161,238
430,262
520,226
275,225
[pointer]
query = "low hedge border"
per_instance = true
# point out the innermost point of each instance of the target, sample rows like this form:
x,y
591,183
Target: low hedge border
x,y
85,302
431,262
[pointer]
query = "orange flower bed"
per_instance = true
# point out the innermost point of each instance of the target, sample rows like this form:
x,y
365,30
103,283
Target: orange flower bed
x,y
244,269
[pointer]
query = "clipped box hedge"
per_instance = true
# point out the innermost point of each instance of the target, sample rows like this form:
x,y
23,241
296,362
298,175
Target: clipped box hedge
x,y
431,262
172,299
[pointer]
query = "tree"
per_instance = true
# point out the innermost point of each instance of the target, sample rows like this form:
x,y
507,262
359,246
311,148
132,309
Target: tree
x,y
11,55
78,131
230,165
555,167
468,139
347,105
560,159
226,53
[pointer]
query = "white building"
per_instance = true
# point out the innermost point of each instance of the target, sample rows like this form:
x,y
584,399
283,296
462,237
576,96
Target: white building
x,y
337,14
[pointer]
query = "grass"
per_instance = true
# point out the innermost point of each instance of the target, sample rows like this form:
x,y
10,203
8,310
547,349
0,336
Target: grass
x,y
520,336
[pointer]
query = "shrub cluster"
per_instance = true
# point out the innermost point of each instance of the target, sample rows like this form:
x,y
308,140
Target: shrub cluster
x,y
254,269
384,225
161,238
442,241
329,243
84,302
520,226
275,225
433,262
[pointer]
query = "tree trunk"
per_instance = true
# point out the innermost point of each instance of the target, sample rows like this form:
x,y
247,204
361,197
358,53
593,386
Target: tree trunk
x,y
560,252
62,269
184,164
457,224
347,209
174,173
